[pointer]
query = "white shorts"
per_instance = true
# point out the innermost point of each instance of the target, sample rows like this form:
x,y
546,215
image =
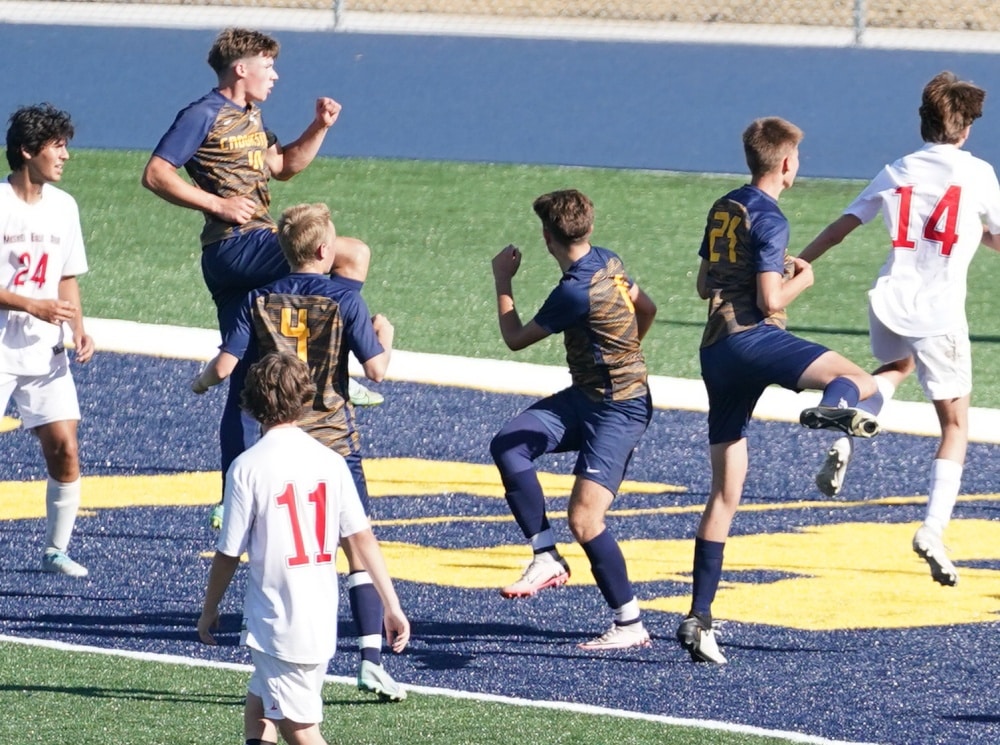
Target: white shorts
x,y
944,361
288,690
42,399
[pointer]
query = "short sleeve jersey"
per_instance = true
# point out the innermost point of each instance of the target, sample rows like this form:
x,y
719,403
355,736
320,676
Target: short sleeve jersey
x,y
935,202
222,147
288,501
591,307
746,234
321,320
42,243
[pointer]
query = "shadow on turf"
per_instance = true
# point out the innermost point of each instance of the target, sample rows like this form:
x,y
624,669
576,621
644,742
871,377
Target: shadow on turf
x,y
130,694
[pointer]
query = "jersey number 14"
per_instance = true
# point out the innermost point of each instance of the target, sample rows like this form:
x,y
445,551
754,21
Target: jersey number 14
x,y
939,226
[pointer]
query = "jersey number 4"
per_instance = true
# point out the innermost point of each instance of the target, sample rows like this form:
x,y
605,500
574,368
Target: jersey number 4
x,y
317,498
939,226
37,274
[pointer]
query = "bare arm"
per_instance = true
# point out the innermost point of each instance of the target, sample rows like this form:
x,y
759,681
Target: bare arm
x,y
376,366
830,236
218,369
219,577
162,178
69,292
645,309
775,293
52,311
397,627
285,162
515,334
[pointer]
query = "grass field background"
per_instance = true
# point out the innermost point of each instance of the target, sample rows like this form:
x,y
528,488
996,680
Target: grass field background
x,y
434,226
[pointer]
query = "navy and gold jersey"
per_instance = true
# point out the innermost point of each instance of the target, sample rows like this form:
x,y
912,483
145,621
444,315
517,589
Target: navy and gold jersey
x,y
321,320
222,147
746,234
592,308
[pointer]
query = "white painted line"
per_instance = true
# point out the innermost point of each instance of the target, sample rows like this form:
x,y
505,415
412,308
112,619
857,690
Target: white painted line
x,y
426,690
507,376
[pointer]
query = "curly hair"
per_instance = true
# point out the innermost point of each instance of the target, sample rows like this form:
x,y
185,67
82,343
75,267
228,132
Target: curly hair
x,y
567,215
234,44
32,128
278,388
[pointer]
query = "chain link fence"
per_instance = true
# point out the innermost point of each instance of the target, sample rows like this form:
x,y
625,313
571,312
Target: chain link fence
x,y
928,15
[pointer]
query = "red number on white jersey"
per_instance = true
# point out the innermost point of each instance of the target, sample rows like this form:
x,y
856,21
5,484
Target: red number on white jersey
x,y
317,498
940,224
37,276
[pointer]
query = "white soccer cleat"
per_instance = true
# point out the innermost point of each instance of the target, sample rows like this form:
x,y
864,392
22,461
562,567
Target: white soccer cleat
x,y
362,396
830,478
373,678
629,636
544,571
57,562
699,639
928,546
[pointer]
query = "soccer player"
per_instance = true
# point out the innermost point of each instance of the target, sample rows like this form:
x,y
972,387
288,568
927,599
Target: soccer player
x,y
289,500
320,318
230,156
934,202
749,281
42,255
602,315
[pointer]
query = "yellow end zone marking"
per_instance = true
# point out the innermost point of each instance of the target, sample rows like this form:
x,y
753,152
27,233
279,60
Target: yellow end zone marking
x,y
21,500
9,423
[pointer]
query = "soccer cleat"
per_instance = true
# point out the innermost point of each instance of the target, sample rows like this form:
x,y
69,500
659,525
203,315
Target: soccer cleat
x,y
928,546
830,478
698,638
373,678
543,571
361,396
854,422
215,517
57,562
619,637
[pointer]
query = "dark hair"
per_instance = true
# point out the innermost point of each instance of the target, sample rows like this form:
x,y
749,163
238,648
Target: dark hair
x,y
32,128
234,44
768,141
567,215
947,107
277,390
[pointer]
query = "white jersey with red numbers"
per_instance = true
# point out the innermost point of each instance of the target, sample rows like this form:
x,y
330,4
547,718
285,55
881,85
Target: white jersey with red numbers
x,y
288,501
935,202
42,243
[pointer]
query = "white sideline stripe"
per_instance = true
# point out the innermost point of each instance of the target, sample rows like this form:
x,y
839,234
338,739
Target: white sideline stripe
x,y
427,690
354,21
506,376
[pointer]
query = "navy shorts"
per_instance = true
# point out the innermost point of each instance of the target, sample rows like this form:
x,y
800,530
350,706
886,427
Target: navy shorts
x,y
233,268
604,432
736,370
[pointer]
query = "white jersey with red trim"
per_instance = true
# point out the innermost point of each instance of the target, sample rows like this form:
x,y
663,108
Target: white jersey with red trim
x,y
42,243
288,501
935,202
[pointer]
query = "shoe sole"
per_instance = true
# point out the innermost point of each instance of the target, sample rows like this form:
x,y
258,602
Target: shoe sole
x,y
826,479
382,695
843,420
938,572
559,581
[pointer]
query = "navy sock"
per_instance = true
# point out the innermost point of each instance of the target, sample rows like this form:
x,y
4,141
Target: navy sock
x,y
366,608
840,393
707,574
608,567
526,501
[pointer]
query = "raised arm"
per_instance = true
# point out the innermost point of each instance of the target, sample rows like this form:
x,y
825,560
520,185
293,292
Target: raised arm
x,y
376,366
515,334
830,236
285,162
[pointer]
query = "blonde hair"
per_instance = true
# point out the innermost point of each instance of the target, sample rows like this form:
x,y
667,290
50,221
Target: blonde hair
x,y
768,141
300,231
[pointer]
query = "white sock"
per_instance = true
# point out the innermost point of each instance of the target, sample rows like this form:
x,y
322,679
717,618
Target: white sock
x,y
628,613
61,503
946,479
874,403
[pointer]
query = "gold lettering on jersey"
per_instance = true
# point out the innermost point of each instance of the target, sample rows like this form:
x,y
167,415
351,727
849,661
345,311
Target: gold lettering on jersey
x,y
242,142
297,330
